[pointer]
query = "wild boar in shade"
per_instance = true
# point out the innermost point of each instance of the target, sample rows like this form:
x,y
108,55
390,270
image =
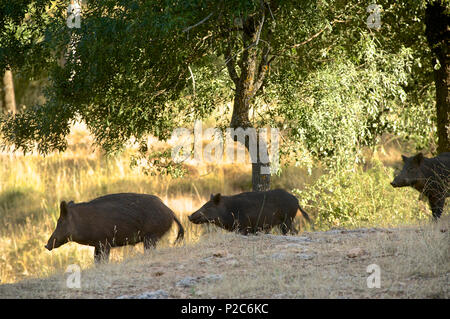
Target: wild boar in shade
x,y
251,212
430,176
112,221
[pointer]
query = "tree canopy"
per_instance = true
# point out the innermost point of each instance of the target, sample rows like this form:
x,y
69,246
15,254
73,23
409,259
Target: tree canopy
x,y
311,68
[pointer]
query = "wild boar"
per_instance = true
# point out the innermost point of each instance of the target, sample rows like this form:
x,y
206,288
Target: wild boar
x,y
430,176
114,220
251,211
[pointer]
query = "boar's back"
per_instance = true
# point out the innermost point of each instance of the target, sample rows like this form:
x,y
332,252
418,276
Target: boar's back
x,y
121,218
270,207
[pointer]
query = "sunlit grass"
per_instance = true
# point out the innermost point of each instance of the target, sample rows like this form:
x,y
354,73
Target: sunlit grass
x,y
31,188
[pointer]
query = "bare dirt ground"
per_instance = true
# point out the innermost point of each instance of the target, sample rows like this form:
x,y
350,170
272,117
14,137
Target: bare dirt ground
x,y
413,263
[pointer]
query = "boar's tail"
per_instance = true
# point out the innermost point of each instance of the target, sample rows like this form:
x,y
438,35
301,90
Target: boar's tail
x,y
180,230
305,215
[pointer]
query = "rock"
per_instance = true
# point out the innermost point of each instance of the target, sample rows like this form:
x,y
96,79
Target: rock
x,y
332,232
296,239
356,252
187,282
232,262
295,245
220,253
278,256
157,294
304,256
206,260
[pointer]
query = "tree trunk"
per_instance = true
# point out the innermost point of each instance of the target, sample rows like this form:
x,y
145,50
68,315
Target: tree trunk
x,y
438,35
240,118
442,82
260,170
8,88
247,84
2,104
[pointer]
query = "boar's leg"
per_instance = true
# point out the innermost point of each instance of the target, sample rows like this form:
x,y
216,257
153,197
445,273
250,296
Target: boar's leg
x,y
437,206
101,253
287,227
150,242
243,231
266,228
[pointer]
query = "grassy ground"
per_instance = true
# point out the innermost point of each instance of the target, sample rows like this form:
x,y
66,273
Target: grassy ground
x,y
413,263
31,188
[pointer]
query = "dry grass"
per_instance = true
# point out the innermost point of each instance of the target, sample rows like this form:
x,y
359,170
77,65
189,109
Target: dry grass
x,y
31,188
413,262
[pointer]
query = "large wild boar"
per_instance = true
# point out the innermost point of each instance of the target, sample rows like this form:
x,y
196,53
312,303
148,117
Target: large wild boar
x,y
112,221
430,176
250,212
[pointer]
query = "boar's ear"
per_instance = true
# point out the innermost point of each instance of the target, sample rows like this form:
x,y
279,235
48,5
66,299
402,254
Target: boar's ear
x,y
216,198
404,158
419,158
212,197
63,209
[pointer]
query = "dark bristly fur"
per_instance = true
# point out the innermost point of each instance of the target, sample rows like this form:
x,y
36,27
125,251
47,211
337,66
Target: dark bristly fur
x,y
251,212
112,221
430,176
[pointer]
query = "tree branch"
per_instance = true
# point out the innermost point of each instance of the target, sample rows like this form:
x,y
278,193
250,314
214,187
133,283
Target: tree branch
x,y
305,41
231,66
193,79
262,69
198,23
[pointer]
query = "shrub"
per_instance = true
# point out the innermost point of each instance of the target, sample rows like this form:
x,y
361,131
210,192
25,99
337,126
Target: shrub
x,y
361,198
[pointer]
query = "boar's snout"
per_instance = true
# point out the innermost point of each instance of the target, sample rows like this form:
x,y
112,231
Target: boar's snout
x,y
197,218
400,181
51,243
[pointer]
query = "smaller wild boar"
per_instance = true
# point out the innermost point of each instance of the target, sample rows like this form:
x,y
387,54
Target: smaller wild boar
x,y
251,211
430,176
114,220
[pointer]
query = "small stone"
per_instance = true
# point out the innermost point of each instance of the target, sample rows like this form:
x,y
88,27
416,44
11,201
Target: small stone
x,y
157,294
187,282
298,247
278,256
355,252
298,239
333,232
304,256
232,262
220,253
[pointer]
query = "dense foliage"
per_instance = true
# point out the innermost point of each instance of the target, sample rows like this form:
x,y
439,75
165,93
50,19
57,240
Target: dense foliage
x,y
134,68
